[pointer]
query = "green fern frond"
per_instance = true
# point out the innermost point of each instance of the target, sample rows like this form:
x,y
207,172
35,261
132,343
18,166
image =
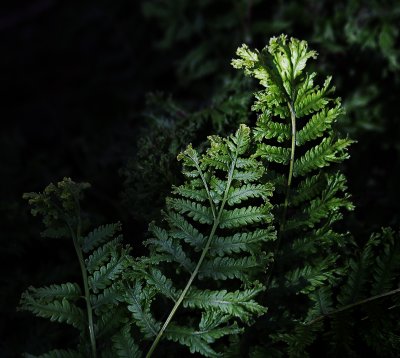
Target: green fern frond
x,y
60,310
99,236
223,268
101,255
299,340
324,153
124,346
199,340
387,265
231,242
105,275
297,142
240,304
69,291
139,300
251,242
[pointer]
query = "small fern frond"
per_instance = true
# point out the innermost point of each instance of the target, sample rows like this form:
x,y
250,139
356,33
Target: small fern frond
x,y
240,304
123,344
69,291
60,310
99,236
139,300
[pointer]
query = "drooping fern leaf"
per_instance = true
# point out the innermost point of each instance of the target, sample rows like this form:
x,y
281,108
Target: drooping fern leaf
x,y
218,226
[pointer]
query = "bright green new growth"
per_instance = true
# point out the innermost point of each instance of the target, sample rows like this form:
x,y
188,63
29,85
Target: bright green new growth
x,y
218,223
102,259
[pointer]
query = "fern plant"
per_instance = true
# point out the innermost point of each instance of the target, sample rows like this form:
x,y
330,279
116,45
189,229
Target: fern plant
x,y
216,263
297,142
93,307
369,292
206,260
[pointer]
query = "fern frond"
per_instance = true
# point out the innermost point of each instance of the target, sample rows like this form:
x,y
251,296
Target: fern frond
x,y
105,275
198,341
69,291
318,124
387,265
237,195
101,255
60,310
310,277
240,304
328,151
301,338
273,154
242,242
161,283
223,268
123,344
139,300
240,217
109,296
196,211
99,236
198,220
182,229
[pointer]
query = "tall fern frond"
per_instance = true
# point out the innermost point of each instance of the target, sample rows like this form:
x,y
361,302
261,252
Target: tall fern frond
x,y
297,142
218,226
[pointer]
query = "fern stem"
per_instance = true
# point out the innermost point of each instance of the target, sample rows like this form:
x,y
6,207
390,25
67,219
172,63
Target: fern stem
x,y
199,263
287,194
184,292
352,305
89,309
290,175
87,297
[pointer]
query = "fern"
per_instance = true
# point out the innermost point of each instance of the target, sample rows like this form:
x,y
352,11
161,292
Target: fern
x,y
297,142
211,237
103,288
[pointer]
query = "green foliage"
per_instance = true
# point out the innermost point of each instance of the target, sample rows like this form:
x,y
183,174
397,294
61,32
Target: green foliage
x,y
150,174
226,219
297,141
218,279
102,284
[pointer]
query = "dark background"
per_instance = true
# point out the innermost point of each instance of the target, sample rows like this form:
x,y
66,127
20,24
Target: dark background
x,y
74,79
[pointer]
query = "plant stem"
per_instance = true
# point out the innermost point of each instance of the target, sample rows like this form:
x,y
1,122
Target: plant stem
x,y
290,175
287,195
184,292
87,296
75,239
199,263
358,303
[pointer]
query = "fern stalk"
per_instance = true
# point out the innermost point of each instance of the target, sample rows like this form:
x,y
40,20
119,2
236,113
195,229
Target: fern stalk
x,y
290,175
203,254
89,308
75,239
352,305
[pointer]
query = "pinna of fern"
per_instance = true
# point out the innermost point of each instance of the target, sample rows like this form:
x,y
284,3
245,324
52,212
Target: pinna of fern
x,y
217,228
297,143
370,292
103,322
